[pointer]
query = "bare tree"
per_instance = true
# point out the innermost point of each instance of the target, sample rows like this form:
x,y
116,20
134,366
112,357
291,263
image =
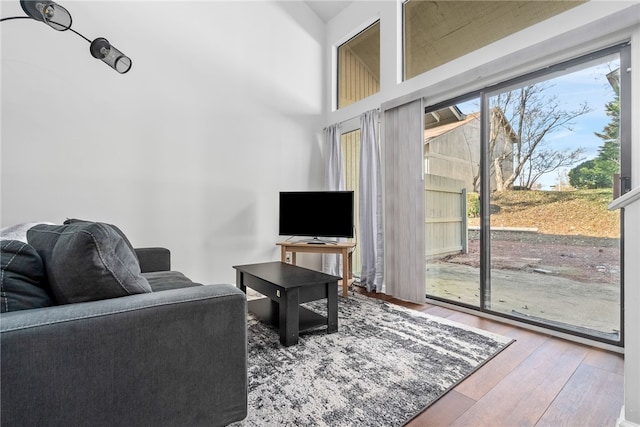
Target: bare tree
x,y
548,160
521,120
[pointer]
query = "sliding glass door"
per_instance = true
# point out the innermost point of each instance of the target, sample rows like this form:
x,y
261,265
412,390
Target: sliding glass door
x,y
451,187
533,164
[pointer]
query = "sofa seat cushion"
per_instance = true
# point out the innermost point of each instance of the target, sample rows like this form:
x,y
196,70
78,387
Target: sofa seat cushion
x,y
165,280
87,261
23,280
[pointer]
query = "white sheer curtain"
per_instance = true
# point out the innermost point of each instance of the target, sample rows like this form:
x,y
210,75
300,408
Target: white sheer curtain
x,y
334,180
370,205
404,208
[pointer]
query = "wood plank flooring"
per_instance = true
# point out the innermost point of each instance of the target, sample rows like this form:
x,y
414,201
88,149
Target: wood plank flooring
x,y
538,380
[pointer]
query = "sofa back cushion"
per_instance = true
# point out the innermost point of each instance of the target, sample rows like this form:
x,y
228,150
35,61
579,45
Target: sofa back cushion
x,y
23,281
87,261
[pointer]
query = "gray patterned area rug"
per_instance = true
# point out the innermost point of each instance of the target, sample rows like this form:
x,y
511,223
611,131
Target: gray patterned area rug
x,y
383,367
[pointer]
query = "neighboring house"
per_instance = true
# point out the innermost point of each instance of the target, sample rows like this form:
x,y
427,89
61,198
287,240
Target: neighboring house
x,y
452,146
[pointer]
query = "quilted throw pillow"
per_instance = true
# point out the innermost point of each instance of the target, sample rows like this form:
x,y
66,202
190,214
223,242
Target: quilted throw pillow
x,y
87,261
23,281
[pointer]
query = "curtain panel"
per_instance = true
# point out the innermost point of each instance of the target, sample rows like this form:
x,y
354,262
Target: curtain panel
x,y
370,202
334,181
404,207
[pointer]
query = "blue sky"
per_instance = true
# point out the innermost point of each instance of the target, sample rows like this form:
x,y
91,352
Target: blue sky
x,y
590,85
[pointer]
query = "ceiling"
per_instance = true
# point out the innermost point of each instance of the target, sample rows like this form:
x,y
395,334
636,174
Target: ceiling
x,y
327,9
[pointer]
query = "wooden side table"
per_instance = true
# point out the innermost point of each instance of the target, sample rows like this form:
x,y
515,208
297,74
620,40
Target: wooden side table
x,y
344,249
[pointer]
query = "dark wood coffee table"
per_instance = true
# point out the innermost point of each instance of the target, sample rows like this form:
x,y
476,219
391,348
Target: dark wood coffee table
x,y
287,286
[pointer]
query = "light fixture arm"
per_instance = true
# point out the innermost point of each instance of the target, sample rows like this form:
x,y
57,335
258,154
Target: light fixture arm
x,y
75,32
14,17
58,18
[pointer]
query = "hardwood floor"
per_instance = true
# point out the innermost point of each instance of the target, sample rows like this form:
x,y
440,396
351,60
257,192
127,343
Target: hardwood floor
x,y
538,380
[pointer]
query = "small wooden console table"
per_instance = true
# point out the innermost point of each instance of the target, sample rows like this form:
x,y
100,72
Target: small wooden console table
x,y
344,249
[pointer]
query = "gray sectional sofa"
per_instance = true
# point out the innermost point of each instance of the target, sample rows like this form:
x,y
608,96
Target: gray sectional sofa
x,y
167,353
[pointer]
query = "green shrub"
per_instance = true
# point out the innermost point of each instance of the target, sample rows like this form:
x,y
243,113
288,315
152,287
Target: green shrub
x,y
473,205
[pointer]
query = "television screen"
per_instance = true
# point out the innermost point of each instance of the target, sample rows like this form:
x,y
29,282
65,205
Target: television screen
x,y
316,213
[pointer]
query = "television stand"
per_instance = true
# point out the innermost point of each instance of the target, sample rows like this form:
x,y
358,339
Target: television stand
x,y
344,249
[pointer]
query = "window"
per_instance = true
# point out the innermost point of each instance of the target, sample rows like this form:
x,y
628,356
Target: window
x,y
436,32
359,66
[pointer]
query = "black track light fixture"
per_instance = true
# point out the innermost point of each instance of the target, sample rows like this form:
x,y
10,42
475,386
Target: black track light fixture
x,y
59,18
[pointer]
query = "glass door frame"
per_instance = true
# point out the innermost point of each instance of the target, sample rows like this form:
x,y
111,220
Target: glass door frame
x,y
624,51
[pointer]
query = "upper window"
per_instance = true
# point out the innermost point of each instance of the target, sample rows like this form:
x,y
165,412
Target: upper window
x,y
436,32
359,66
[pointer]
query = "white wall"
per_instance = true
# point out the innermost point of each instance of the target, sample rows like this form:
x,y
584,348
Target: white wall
x,y
630,414
222,109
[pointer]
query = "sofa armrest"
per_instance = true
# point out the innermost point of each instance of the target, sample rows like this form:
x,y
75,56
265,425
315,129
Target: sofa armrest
x,y
177,357
154,259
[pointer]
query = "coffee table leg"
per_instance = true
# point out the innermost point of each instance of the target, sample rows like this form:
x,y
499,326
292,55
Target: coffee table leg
x,y
240,282
289,318
332,307
275,314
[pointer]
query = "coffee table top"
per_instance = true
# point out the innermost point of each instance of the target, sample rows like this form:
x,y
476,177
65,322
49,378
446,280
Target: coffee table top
x,y
286,275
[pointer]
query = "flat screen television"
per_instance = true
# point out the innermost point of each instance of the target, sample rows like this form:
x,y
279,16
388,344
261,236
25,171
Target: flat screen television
x,y
316,214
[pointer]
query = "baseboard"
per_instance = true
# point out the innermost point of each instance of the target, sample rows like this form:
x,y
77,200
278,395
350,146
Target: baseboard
x,y
622,422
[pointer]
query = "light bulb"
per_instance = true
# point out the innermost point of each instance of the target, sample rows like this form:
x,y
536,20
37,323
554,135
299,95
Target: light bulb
x,y
52,14
47,11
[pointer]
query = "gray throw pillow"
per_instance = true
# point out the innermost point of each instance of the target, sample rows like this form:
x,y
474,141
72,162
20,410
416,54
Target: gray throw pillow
x,y
23,281
87,261
115,228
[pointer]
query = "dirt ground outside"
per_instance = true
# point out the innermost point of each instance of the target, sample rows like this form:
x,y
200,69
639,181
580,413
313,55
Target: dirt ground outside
x,y
570,281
